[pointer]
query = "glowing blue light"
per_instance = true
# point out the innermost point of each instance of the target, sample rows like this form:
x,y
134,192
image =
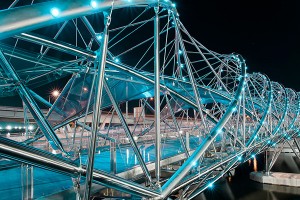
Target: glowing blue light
x,y
117,60
211,185
252,156
173,5
289,138
99,37
274,144
94,4
180,52
182,65
194,163
240,158
55,12
184,79
233,109
219,131
269,142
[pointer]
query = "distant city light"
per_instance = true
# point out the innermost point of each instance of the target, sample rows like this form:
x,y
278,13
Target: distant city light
x,y
85,89
30,127
55,93
55,12
8,127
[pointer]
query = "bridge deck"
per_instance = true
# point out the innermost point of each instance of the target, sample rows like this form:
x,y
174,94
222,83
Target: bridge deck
x,y
48,183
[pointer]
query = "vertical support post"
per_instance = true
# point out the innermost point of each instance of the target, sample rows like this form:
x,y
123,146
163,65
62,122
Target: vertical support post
x,y
127,102
27,181
244,116
157,94
113,158
187,140
26,121
266,163
100,63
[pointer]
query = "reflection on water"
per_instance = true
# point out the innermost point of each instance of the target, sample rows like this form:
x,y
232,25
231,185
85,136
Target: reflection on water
x,y
254,164
240,187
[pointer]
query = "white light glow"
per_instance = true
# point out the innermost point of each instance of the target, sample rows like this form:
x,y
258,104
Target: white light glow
x,y
55,12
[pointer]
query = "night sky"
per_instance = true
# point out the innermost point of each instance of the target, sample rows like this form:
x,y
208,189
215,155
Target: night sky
x,y
266,33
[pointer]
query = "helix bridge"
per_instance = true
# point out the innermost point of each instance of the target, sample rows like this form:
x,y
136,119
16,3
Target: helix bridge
x,y
201,114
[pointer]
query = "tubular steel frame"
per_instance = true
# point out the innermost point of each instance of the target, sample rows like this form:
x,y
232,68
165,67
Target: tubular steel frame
x,y
236,114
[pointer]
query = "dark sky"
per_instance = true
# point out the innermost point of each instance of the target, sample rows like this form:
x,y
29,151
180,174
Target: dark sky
x,y
266,33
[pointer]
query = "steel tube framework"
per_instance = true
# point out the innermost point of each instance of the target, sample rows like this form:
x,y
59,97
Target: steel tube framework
x,y
146,56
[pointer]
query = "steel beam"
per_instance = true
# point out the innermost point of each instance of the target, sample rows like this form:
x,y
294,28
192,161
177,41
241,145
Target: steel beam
x,y
198,191
31,105
184,146
128,133
28,18
32,156
100,64
157,95
188,164
57,45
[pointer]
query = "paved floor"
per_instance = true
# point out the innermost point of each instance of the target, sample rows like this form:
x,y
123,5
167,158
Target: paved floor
x,y
47,182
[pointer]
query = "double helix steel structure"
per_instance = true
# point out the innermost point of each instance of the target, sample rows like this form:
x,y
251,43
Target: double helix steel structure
x,y
198,108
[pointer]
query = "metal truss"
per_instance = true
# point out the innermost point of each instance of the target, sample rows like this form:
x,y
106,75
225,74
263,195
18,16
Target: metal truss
x,y
206,103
